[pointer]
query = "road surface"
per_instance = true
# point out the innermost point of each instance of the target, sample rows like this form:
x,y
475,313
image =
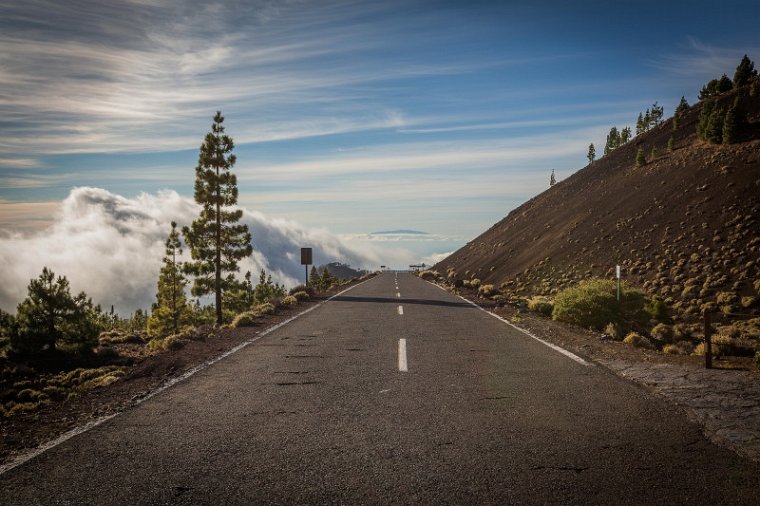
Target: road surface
x,y
395,392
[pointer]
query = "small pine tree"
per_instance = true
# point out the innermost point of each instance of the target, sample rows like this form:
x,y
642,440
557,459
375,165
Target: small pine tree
x,y
552,179
625,135
730,126
656,114
682,106
314,279
704,118
640,158
50,317
653,153
640,124
744,72
215,239
171,310
327,279
724,84
714,131
591,153
670,144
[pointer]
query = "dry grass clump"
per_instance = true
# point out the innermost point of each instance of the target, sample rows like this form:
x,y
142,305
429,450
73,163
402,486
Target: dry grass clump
x,y
662,332
289,301
428,275
680,348
614,331
487,290
541,305
475,282
638,341
301,295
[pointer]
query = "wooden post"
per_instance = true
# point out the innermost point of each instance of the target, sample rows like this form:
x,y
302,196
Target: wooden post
x,y
708,341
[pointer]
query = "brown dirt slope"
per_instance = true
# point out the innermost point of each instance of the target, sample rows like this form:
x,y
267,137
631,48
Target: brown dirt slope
x,y
684,225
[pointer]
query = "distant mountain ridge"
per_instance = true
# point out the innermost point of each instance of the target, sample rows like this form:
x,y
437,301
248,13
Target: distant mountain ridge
x,y
684,225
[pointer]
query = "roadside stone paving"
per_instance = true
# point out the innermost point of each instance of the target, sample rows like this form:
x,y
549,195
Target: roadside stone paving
x,y
725,402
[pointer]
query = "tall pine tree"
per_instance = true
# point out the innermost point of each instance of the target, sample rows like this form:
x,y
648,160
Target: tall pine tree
x,y
171,309
591,153
744,72
216,239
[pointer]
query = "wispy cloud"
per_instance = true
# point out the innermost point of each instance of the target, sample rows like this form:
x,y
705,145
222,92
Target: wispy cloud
x,y
700,59
143,77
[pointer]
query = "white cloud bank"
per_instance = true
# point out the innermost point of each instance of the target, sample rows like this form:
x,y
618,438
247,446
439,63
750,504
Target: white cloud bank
x,y
111,247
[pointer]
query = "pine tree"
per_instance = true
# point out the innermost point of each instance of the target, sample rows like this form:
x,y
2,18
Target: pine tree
x,y
50,317
744,72
640,124
613,140
552,179
215,239
327,280
640,159
670,144
730,126
656,114
171,310
714,130
724,84
625,135
591,153
704,118
653,153
314,278
682,106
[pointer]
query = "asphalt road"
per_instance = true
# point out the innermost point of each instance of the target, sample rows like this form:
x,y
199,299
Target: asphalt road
x,y
319,412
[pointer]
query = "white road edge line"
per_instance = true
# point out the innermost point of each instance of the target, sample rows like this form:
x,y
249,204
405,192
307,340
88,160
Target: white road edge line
x,y
401,310
559,349
402,366
42,448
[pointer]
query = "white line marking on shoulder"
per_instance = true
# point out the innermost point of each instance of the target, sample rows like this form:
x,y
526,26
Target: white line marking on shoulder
x,y
568,354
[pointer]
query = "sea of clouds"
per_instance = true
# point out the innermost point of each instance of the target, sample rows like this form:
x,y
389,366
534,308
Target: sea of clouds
x,y
111,247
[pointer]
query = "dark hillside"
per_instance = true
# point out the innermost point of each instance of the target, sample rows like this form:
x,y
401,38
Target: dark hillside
x,y
683,225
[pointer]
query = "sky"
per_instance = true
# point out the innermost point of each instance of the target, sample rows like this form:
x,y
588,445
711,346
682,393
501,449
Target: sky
x,y
349,117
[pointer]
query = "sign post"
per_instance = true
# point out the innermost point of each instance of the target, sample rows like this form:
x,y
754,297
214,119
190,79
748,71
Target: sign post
x,y
617,274
306,261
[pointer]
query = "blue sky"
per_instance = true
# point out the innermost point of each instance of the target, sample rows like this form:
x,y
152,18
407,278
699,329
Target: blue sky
x,y
351,116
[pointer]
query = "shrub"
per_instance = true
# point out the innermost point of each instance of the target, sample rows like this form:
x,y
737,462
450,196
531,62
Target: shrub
x,y
614,331
487,290
671,349
155,345
748,302
428,275
298,288
725,298
658,310
541,305
301,296
638,341
593,303
246,319
662,332
475,282
174,342
757,360
263,309
289,301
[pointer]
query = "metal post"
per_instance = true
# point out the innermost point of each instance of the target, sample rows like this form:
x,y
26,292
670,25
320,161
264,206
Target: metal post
x,y
617,273
708,341
306,270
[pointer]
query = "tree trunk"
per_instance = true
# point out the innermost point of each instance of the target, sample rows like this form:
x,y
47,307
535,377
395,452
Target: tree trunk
x,y
218,259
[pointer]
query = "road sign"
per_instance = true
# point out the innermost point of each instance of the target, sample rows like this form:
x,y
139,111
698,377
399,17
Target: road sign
x,y
306,256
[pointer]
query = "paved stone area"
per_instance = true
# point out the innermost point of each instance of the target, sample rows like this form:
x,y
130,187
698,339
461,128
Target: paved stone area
x,y
726,403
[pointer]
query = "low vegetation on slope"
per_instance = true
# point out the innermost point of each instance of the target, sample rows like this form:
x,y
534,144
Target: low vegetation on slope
x,y
682,222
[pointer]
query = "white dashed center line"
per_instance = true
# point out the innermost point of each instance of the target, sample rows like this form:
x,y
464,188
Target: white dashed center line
x,y
398,295
402,355
401,310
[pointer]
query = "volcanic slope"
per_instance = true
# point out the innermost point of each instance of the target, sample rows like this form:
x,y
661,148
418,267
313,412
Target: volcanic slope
x,y
684,225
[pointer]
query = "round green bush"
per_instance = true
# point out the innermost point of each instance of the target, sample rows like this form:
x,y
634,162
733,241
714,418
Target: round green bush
x,y
593,304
